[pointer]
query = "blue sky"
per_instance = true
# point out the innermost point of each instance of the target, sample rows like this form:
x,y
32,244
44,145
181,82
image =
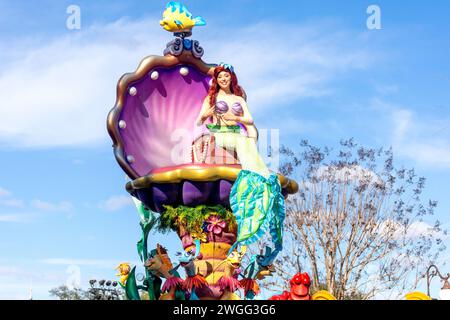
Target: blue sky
x,y
62,197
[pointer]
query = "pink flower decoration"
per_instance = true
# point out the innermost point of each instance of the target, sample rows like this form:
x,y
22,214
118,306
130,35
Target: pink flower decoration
x,y
215,224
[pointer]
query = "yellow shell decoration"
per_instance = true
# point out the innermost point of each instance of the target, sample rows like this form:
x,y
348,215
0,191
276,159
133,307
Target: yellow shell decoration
x,y
323,295
417,296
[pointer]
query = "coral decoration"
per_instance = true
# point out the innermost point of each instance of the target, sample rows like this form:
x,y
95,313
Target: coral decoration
x,y
300,284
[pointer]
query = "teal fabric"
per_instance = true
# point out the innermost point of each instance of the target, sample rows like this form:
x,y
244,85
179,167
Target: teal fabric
x,y
258,206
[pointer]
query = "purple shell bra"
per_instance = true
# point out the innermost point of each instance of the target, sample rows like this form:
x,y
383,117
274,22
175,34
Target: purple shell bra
x,y
222,107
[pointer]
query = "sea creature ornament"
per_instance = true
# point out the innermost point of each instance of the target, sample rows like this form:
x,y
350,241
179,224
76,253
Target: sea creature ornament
x,y
229,283
300,284
123,272
193,280
159,265
177,19
259,267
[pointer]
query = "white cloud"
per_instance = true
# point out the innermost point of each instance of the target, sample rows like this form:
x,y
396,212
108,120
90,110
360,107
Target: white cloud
x,y
78,162
4,192
108,264
420,228
116,203
276,66
16,217
60,92
7,200
413,136
16,281
415,230
348,173
16,203
387,89
63,206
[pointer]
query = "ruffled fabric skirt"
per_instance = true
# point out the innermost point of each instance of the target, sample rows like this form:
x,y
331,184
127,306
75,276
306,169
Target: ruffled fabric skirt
x,y
250,285
171,283
228,283
194,282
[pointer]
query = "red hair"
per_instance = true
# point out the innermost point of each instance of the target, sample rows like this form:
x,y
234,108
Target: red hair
x,y
214,90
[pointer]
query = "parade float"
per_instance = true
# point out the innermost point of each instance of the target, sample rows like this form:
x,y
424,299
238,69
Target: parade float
x,y
187,177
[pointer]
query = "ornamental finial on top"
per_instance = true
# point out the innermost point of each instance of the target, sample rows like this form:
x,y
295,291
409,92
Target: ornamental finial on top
x,y
178,19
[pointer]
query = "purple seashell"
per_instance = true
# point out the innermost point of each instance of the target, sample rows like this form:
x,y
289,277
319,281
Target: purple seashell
x,y
161,118
189,193
221,107
221,193
165,194
145,196
196,193
236,108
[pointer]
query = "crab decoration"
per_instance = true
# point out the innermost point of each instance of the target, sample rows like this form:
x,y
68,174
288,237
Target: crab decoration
x,y
300,284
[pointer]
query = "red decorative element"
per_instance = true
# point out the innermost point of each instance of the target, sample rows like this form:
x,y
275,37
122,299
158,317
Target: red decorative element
x,y
300,284
250,285
194,282
172,282
228,283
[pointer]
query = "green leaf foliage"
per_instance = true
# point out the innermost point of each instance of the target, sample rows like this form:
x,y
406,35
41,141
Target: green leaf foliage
x,y
192,218
131,289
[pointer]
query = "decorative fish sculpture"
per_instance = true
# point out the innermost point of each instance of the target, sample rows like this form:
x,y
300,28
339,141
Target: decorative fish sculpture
x,y
124,270
176,18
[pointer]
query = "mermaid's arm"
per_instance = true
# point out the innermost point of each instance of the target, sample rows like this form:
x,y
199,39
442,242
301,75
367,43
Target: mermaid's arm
x,y
247,121
246,117
205,108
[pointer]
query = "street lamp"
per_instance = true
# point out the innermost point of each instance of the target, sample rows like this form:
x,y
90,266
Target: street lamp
x,y
432,272
445,291
105,290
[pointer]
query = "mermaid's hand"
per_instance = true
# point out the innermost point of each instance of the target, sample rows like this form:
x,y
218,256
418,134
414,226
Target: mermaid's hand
x,y
230,117
208,113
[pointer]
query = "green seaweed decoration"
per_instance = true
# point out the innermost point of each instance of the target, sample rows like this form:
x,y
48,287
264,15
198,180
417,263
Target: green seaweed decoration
x,y
131,288
147,222
192,218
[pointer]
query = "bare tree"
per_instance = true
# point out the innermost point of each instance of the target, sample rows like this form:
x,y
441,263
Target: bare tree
x,y
64,293
357,224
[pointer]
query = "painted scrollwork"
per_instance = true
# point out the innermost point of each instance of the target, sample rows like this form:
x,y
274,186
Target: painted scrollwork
x,y
176,47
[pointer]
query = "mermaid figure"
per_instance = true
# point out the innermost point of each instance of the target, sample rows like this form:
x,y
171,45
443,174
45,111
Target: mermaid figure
x,y
255,198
